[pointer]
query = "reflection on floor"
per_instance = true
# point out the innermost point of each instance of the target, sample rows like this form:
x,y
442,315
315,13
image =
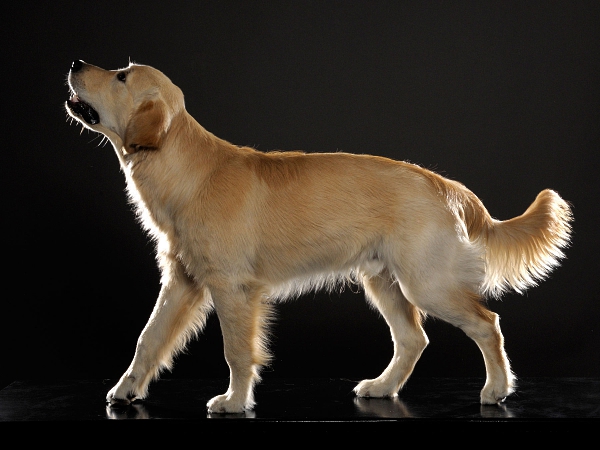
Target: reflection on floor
x,y
540,404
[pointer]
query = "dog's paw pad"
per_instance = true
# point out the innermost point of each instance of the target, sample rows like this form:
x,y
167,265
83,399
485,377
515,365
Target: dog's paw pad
x,y
118,402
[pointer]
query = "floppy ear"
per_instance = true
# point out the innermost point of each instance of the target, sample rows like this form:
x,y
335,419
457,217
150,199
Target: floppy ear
x,y
146,128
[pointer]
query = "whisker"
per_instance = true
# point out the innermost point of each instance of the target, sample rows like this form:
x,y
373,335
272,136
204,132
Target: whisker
x,y
103,142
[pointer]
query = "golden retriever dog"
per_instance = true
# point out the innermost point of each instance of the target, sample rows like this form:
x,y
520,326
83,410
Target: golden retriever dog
x,y
237,230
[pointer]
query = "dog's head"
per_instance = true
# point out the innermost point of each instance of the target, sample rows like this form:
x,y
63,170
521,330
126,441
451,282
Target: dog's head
x,y
133,107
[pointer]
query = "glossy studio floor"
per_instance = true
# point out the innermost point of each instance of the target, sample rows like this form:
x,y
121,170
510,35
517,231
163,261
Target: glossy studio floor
x,y
542,406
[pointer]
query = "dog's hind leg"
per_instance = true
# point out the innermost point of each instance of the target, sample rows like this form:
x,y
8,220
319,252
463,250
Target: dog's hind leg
x,y
408,336
463,309
244,315
485,331
180,312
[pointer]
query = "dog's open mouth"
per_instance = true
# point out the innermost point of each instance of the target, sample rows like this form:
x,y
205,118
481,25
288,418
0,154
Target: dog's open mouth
x,y
82,109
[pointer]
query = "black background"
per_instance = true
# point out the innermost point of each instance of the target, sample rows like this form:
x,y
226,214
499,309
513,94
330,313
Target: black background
x,y
502,96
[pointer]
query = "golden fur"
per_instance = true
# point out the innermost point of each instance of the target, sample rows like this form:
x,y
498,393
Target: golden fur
x,y
237,229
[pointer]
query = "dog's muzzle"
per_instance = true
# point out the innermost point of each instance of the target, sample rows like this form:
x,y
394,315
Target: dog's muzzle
x,y
78,106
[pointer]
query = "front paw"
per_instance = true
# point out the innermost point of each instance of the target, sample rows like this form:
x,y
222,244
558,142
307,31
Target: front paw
x,y
374,388
123,393
227,404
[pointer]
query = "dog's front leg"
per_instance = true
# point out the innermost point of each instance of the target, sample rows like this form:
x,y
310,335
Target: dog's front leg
x,y
179,313
243,314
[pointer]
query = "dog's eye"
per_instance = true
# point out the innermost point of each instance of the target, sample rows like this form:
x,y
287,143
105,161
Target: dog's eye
x,y
121,76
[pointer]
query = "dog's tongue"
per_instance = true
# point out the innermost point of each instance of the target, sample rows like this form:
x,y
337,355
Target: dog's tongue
x,y
86,112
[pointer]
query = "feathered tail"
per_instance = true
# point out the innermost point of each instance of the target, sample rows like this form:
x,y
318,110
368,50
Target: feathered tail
x,y
524,250
521,251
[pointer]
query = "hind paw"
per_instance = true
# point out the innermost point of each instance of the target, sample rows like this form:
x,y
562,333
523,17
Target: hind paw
x,y
491,395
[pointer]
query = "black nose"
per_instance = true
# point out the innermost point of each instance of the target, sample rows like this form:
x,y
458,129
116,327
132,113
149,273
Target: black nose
x,y
76,65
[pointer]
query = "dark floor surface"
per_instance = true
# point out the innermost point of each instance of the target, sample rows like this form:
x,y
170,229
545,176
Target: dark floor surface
x,y
547,406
